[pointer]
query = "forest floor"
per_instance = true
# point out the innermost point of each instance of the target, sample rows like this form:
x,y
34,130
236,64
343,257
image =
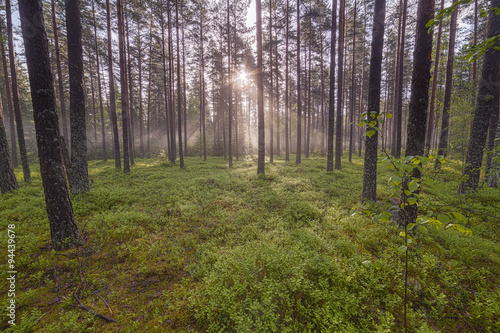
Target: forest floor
x,y
217,249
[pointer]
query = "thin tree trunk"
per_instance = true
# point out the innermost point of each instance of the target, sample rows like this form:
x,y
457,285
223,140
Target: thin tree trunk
x,y
64,121
353,85
171,98
362,93
123,86
230,92
15,95
260,93
399,96
204,117
430,120
58,204
140,116
299,111
370,166
492,130
79,180
322,98
112,97
9,104
184,90
131,113
331,106
148,130
395,121
287,130
179,91
445,122
340,81
8,180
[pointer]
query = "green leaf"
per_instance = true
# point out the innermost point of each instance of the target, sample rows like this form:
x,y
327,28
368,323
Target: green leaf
x,y
443,218
413,185
407,193
389,115
410,226
372,123
459,216
367,263
370,133
403,248
361,123
412,201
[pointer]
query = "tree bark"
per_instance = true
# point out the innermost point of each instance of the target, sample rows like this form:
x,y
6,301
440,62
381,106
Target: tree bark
x,y
488,88
340,87
112,97
271,92
15,95
230,92
419,101
445,122
299,110
79,179
131,112
59,209
9,104
260,94
287,142
370,166
123,85
353,86
430,121
331,107
179,91
8,180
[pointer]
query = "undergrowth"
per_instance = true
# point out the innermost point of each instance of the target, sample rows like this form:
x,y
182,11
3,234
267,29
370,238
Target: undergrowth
x,y
218,249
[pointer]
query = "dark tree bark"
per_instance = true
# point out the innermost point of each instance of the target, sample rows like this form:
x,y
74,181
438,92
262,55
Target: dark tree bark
x,y
430,121
79,179
202,100
331,106
488,88
370,166
15,95
59,209
8,180
419,101
140,116
353,86
9,104
299,106
131,110
492,131
260,94
165,82
340,87
64,121
322,97
179,91
445,121
112,97
287,142
184,89
150,71
123,85
173,149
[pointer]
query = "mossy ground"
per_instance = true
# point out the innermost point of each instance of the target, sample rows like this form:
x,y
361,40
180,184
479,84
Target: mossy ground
x,y
217,249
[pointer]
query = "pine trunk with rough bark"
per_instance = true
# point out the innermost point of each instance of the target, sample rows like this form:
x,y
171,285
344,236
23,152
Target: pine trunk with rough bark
x,y
488,88
340,87
260,94
370,165
287,141
419,102
298,156
59,209
331,106
180,104
79,179
8,180
123,85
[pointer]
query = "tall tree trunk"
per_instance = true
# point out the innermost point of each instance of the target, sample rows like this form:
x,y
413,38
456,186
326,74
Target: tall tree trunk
x,y
165,83
430,120
299,111
150,71
79,180
340,81
322,97
112,97
64,121
123,85
488,88
492,130
204,117
173,150
353,85
276,62
370,166
230,92
260,93
419,101
331,106
394,135
9,104
474,42
15,95
445,122
179,91
308,91
59,209
399,95
140,116
271,93
8,180
287,130
103,125
92,94
184,90
131,112
362,92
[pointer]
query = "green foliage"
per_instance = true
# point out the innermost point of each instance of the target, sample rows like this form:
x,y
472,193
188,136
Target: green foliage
x,y
215,249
